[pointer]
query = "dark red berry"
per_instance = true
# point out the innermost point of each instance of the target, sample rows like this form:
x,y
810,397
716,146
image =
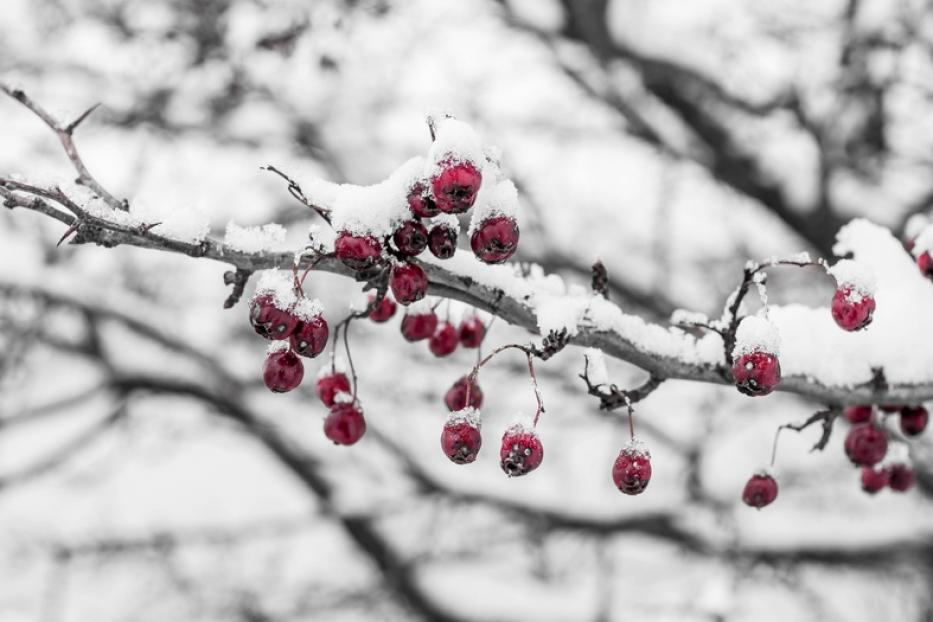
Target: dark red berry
x,y
852,310
461,440
472,331
422,205
310,337
866,444
269,320
890,408
631,470
444,340
857,414
456,396
282,371
901,477
383,311
358,252
874,479
521,451
925,263
344,424
418,326
408,282
329,385
410,238
914,420
495,239
442,241
756,373
455,187
761,490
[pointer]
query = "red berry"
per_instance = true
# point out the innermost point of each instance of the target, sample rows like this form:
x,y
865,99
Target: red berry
x,y
890,408
874,479
756,373
383,311
357,252
456,396
410,238
422,205
866,444
408,282
455,187
461,439
310,338
282,371
344,424
270,321
631,471
852,310
472,331
418,326
857,414
761,490
442,241
925,263
444,340
495,239
329,385
901,477
914,420
521,451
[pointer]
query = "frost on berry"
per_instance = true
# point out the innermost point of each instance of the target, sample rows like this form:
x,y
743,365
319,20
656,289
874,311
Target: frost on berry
x,y
421,203
874,478
857,414
456,397
442,240
383,311
408,282
472,331
344,424
455,186
901,477
913,420
282,370
521,451
330,384
310,335
419,325
410,238
851,310
444,340
270,309
866,444
357,252
461,439
760,490
495,239
756,368
631,470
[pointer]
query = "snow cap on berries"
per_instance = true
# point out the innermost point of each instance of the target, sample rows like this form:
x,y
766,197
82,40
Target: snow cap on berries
x,y
454,141
306,309
756,334
637,446
499,199
855,275
924,242
448,220
468,415
278,346
342,397
280,285
379,209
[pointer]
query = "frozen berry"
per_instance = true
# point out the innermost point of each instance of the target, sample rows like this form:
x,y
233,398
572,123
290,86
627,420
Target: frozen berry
x,y
866,444
456,396
455,187
901,477
282,371
418,326
631,471
925,263
270,321
442,241
422,205
310,337
914,420
874,479
852,310
344,424
329,385
358,252
383,311
857,414
472,331
756,373
408,282
444,340
521,451
410,238
495,239
760,490
461,441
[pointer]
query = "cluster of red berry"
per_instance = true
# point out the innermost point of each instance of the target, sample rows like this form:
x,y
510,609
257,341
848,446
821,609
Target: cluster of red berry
x,y
866,444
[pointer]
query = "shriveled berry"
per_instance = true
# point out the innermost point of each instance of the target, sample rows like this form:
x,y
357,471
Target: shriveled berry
x,y
495,239
874,479
901,477
421,204
455,186
472,331
344,424
852,310
442,241
760,490
418,326
383,311
456,396
631,470
329,385
410,238
914,420
925,263
756,373
444,340
270,321
282,371
310,337
357,252
521,451
866,444
408,282
461,441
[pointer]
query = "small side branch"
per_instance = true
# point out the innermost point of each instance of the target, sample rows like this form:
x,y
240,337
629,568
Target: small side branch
x,y
295,190
238,280
612,397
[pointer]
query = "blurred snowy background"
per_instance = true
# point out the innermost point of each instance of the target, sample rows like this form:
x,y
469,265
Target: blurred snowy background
x,y
673,140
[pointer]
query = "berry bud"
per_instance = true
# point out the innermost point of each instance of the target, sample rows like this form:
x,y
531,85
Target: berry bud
x,y
282,370
852,310
631,470
914,420
455,187
761,490
472,331
442,241
521,451
271,321
408,282
357,252
421,204
344,424
874,479
383,311
857,414
330,384
866,444
756,373
444,340
410,238
461,439
901,477
495,239
418,326
456,397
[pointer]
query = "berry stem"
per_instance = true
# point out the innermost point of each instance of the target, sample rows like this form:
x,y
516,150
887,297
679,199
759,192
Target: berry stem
x,y
534,384
346,347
